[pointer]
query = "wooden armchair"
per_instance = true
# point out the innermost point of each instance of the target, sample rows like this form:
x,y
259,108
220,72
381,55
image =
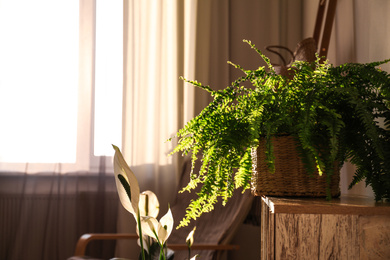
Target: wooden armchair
x,y
322,33
214,230
86,238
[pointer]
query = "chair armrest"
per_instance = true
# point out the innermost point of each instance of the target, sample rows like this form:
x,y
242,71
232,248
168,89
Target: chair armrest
x,y
203,247
86,238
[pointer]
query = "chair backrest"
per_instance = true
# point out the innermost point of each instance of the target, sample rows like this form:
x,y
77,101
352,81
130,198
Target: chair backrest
x,y
322,34
306,49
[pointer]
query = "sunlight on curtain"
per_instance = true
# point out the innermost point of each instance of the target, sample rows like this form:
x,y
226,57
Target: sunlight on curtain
x,y
38,92
108,76
151,88
47,76
153,62
195,39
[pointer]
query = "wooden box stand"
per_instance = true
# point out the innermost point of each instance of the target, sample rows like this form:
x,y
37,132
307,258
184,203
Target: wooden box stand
x,y
344,228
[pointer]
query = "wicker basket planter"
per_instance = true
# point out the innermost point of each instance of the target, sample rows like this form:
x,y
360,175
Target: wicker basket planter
x,y
290,177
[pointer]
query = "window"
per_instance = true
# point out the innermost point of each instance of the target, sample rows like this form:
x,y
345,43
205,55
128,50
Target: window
x,y
48,113
108,76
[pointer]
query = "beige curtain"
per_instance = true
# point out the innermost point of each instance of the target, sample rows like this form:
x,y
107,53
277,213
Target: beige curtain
x,y
194,39
167,39
153,94
361,33
222,27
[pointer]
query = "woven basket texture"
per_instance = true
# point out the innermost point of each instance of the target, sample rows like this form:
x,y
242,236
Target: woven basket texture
x,y
290,178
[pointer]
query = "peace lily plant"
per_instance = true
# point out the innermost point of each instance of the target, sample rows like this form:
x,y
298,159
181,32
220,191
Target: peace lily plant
x,y
190,241
145,209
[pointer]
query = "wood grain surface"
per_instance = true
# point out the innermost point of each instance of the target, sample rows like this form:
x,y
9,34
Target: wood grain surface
x,y
343,229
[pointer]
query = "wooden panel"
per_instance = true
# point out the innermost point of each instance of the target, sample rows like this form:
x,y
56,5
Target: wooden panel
x,y
343,205
374,237
347,229
296,236
267,232
338,237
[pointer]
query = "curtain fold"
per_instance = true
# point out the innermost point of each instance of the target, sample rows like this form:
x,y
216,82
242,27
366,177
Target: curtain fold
x,y
361,34
42,215
153,105
151,83
167,39
223,25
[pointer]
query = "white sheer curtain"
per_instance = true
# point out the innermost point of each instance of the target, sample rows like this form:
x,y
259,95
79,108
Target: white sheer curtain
x,y
151,86
153,61
46,204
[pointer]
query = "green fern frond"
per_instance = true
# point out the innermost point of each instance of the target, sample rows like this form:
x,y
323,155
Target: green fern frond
x,y
333,113
243,175
265,58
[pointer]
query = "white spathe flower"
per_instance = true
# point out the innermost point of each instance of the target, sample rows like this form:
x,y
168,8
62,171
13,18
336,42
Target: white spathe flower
x,y
148,204
160,230
167,223
126,183
150,225
190,237
145,239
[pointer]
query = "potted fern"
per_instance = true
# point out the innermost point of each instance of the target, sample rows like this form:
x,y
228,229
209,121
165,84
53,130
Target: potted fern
x,y
331,115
